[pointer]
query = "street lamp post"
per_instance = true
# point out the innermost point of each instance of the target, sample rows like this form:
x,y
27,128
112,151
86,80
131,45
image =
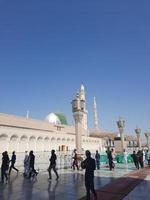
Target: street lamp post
x,y
138,134
121,126
77,110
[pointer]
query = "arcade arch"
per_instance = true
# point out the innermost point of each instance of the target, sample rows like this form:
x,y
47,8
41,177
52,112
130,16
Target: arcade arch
x,y
23,143
32,143
39,144
46,144
3,142
13,143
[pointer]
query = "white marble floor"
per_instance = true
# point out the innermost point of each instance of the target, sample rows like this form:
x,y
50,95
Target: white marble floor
x,y
141,192
70,186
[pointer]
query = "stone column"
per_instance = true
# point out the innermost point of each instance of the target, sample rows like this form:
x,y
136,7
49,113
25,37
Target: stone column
x,y
138,132
121,131
78,130
96,127
121,125
147,139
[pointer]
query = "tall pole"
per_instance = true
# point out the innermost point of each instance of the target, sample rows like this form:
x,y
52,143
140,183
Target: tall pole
x,y
95,115
121,126
138,134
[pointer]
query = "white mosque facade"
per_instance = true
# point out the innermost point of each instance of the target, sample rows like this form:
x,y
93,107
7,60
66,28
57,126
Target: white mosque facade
x,y
22,134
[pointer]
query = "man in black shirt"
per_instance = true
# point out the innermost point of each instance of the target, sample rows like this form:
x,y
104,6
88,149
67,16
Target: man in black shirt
x,y
52,165
89,165
140,158
13,160
110,159
135,159
33,172
4,166
97,158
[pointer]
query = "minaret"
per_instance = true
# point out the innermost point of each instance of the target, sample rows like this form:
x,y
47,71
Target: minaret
x,y
85,112
95,115
82,93
78,113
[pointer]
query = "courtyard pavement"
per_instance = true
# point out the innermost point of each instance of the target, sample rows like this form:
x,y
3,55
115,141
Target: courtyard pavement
x,y
142,191
70,186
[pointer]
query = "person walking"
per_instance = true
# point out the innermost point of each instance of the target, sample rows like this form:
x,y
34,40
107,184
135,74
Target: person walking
x,y
26,164
143,156
110,159
4,166
75,160
148,158
52,165
140,158
13,160
97,158
125,155
32,171
89,165
135,159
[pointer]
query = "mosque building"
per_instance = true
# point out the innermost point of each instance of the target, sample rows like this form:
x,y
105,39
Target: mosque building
x,y
23,133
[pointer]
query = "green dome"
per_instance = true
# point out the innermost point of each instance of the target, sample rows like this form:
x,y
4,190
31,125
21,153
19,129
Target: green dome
x,y
62,118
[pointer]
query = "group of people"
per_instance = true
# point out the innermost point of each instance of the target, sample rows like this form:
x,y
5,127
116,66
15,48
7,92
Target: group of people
x,y
29,170
140,158
89,164
79,158
110,156
7,165
29,161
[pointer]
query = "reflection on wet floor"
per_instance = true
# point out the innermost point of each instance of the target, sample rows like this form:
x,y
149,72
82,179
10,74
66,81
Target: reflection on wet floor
x,y
69,187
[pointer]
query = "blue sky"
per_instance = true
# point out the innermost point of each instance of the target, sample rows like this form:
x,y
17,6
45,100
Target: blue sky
x,y
48,48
